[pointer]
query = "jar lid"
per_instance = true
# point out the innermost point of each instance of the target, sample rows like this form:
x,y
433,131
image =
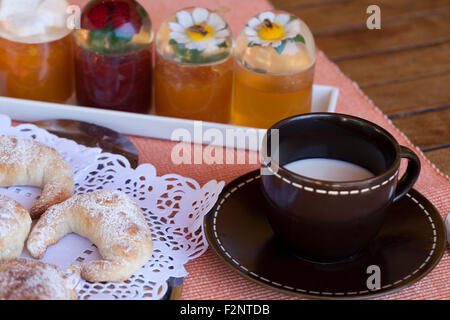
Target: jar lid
x,y
195,36
114,26
33,21
275,42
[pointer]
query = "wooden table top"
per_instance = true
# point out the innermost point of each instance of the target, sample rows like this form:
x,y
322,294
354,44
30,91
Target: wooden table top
x,y
404,67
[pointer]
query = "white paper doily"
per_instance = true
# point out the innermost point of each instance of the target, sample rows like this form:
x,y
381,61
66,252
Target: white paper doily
x,y
174,207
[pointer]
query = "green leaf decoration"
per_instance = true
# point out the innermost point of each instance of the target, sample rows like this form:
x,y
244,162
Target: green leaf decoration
x,y
179,49
142,13
299,38
98,38
195,56
223,45
110,41
281,47
253,44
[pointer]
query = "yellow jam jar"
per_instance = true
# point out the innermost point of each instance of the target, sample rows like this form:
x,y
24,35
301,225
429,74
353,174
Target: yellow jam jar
x,y
275,59
194,66
36,59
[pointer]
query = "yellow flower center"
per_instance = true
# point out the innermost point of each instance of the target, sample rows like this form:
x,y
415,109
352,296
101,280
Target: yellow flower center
x,y
200,32
271,31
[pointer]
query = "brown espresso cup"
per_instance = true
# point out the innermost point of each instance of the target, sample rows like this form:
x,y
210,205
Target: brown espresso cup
x,y
327,221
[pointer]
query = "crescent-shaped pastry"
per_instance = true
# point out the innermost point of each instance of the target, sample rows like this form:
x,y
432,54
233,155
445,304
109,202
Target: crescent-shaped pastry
x,y
15,223
23,279
111,220
26,162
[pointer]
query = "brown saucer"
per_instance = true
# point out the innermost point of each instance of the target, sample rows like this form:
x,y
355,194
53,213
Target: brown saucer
x,y
409,246
92,135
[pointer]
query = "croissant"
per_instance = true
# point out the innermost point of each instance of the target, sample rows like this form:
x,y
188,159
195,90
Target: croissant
x,y
15,223
26,162
23,279
111,220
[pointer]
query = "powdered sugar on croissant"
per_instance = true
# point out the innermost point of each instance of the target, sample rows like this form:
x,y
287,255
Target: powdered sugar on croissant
x,y
15,223
26,162
111,220
23,279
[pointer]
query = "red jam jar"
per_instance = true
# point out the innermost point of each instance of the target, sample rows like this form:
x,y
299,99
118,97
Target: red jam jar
x,y
113,56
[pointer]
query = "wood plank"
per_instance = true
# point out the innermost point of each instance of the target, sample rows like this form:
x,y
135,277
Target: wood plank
x,y
411,95
352,14
394,36
441,158
426,130
398,66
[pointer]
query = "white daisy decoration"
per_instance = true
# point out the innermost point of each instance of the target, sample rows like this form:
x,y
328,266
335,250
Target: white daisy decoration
x,y
199,30
269,29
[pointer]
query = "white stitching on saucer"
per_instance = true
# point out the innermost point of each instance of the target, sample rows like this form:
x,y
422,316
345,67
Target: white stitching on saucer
x,y
226,196
332,192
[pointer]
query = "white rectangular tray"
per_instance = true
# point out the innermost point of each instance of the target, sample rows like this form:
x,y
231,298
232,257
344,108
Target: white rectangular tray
x,y
324,100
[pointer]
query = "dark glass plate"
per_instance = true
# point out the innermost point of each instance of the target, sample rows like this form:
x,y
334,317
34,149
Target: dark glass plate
x,y
92,135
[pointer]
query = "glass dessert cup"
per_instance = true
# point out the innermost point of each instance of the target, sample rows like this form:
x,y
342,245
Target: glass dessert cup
x,y
261,99
119,81
275,60
36,57
38,71
194,67
113,57
199,93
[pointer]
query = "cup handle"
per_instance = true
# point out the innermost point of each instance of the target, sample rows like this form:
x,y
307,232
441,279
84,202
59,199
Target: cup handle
x,y
411,174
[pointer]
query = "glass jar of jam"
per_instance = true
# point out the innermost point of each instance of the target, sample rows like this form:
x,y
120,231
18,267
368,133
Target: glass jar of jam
x,y
113,56
194,66
36,60
275,59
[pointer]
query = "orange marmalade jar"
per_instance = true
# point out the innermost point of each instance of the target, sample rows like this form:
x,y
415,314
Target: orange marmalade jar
x,y
36,59
194,66
275,59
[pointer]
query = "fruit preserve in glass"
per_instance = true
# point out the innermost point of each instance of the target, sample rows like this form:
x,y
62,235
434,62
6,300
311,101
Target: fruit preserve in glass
x,y
275,59
194,66
36,59
113,56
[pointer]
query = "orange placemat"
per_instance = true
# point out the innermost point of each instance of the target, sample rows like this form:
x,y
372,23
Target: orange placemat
x,y
208,277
